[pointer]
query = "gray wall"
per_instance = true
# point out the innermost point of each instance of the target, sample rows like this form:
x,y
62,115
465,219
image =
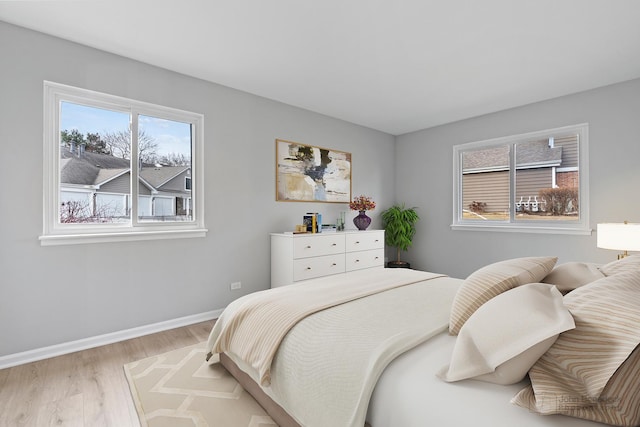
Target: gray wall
x,y
424,179
56,294
52,295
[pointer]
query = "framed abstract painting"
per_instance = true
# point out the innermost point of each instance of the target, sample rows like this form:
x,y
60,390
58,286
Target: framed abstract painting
x,y
305,173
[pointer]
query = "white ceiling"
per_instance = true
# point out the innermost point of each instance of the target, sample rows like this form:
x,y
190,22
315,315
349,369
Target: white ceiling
x,y
392,65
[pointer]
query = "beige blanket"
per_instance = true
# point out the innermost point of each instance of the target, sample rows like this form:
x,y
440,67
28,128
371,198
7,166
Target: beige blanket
x,y
253,327
328,380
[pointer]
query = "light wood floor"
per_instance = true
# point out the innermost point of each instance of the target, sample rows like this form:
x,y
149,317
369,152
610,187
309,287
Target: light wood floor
x,y
87,388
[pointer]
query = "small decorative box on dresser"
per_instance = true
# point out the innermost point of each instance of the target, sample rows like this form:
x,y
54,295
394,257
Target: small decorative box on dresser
x,y
296,257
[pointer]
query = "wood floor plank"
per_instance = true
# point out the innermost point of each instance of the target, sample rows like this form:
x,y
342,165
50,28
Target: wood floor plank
x,y
67,412
23,394
86,388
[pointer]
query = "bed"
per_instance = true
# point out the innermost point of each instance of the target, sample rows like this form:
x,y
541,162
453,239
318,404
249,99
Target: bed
x,y
390,357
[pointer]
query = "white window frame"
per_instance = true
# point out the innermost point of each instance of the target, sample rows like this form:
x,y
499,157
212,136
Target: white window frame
x,y
56,233
580,226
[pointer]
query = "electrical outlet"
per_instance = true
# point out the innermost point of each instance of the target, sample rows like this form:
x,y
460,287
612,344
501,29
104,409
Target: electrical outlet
x,y
236,285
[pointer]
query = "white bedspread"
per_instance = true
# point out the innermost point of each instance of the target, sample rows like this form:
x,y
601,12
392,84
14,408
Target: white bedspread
x,y
328,364
408,394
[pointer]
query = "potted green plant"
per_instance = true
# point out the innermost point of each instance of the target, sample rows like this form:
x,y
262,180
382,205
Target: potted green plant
x,y
399,225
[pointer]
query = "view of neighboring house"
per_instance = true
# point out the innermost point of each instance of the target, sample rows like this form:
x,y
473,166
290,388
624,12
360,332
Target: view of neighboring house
x,y
99,186
542,164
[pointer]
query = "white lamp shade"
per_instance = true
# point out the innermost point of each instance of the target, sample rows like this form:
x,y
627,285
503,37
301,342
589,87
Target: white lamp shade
x,y
619,236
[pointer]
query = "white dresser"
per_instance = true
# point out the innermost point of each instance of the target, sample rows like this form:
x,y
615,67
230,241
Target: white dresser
x,y
296,257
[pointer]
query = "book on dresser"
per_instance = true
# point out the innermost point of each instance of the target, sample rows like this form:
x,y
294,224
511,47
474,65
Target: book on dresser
x,y
296,257
313,221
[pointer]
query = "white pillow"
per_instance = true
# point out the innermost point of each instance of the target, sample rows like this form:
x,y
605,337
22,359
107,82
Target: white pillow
x,y
505,336
572,275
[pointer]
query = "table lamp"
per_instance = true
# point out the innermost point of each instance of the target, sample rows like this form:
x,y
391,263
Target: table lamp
x,y
619,236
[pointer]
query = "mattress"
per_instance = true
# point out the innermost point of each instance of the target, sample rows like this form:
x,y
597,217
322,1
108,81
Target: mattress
x,y
409,394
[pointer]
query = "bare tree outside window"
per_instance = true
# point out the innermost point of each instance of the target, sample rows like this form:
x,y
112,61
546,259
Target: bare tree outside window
x,y
119,145
95,168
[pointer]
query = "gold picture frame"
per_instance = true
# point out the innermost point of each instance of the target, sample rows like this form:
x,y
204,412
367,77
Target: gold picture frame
x,y
306,173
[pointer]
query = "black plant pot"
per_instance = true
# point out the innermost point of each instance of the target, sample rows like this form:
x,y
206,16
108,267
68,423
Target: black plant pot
x,y
398,264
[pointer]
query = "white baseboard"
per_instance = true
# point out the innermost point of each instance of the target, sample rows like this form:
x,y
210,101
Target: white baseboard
x,y
86,343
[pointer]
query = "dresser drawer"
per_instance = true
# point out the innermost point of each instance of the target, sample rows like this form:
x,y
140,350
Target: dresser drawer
x,y
364,259
364,241
296,257
314,245
308,268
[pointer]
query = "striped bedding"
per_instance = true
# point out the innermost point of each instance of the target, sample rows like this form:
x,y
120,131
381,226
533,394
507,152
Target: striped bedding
x,y
398,334
254,327
592,371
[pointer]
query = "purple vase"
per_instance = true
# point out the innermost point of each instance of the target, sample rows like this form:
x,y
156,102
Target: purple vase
x,y
362,221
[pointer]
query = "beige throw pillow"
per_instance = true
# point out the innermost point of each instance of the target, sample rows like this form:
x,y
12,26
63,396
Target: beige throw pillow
x,y
508,334
618,405
492,280
630,263
572,275
579,367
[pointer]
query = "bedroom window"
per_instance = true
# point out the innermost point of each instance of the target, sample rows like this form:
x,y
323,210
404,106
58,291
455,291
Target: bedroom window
x,y
534,182
119,169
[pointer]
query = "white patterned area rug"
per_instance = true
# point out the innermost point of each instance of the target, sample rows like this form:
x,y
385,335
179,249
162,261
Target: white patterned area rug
x,y
180,389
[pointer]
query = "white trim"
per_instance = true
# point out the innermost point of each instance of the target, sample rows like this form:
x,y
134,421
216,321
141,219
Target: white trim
x,y
128,236
514,228
100,340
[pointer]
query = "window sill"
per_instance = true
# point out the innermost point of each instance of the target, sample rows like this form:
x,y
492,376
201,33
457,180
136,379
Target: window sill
x,y
129,236
523,229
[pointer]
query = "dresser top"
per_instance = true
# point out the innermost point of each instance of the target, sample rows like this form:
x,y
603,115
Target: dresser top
x,y
329,233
